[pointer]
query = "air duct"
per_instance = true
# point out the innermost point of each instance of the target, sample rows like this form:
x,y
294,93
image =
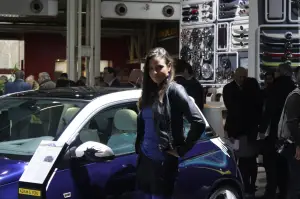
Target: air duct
x,y
36,6
121,9
168,11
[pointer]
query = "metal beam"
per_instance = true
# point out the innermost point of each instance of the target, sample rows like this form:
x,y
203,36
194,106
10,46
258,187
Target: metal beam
x,y
31,28
79,38
97,39
71,38
253,26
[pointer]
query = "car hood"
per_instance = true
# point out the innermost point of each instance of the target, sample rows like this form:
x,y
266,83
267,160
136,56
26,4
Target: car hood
x,y
10,170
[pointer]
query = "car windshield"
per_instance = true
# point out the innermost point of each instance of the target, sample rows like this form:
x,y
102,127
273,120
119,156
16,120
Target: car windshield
x,y
25,122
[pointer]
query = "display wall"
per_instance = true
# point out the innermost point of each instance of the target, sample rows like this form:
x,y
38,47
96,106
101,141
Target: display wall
x,y
214,38
279,37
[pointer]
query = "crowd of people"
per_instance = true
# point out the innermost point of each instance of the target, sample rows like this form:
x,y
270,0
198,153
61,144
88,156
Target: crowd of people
x,y
44,81
253,117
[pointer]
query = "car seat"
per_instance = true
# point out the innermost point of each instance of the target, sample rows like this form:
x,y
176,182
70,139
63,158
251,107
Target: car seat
x,y
123,138
104,127
69,114
67,117
86,135
125,120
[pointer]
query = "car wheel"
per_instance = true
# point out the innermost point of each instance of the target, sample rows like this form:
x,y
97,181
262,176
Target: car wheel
x,y
224,193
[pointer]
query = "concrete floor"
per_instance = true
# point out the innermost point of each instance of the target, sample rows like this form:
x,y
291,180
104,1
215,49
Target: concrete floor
x,y
261,182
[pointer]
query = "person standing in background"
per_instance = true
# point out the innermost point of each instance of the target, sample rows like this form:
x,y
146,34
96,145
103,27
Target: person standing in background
x,y
110,77
275,165
291,152
184,75
81,81
30,80
252,103
232,96
45,81
268,82
3,81
18,85
64,81
237,97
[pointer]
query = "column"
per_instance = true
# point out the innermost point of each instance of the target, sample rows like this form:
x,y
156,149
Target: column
x,y
97,55
92,46
79,38
253,26
71,38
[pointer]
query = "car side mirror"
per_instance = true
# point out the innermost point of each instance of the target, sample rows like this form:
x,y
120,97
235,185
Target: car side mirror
x,y
94,151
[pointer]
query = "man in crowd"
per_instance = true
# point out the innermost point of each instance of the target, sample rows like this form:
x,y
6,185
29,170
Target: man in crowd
x,y
110,77
243,100
292,152
275,165
268,82
64,81
18,85
81,81
185,77
45,81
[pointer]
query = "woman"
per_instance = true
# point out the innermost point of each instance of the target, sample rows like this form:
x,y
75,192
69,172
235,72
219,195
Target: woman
x,y
160,137
30,80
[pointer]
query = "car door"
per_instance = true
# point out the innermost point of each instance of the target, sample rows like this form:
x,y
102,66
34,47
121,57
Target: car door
x,y
196,173
80,178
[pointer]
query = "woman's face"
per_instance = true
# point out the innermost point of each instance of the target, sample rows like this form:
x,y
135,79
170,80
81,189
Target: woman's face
x,y
158,69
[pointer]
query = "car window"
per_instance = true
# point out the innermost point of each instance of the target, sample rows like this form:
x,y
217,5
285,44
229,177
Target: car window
x,y
114,127
25,122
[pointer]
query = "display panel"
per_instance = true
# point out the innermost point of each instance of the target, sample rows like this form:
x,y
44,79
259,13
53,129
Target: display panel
x,y
275,11
212,35
198,48
227,63
278,44
198,12
233,10
294,11
239,35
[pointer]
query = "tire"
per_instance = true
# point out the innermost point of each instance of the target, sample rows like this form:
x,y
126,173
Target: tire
x,y
225,192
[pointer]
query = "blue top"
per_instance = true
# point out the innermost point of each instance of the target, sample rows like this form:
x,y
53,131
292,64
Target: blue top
x,y
151,140
16,86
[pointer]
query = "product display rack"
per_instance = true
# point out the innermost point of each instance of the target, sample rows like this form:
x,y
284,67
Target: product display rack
x,y
198,45
278,44
278,39
212,35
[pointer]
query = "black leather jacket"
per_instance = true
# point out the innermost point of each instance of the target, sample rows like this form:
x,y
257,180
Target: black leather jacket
x,y
168,119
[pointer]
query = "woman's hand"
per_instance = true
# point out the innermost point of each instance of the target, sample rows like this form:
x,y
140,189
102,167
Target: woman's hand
x,y
173,153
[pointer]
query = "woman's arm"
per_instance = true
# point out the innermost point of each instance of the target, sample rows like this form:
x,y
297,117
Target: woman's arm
x,y
192,113
140,133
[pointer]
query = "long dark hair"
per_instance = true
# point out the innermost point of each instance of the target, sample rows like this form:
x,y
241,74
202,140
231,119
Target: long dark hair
x,y
151,90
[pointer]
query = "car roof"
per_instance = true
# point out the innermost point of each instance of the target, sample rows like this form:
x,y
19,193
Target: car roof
x,y
83,93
